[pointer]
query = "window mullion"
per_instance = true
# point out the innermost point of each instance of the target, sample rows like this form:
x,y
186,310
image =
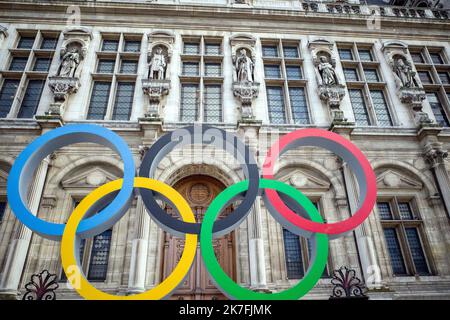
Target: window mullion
x,y
409,263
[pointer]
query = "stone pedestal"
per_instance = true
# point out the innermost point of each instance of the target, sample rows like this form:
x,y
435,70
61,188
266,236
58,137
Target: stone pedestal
x,y
246,92
62,88
155,90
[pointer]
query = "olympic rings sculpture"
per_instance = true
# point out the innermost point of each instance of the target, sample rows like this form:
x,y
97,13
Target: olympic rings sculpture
x,y
293,210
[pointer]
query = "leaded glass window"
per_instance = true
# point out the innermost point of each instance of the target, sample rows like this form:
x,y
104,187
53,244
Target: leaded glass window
x,y
438,110
212,49
2,209
401,227
351,74
425,77
99,100
106,66
293,72
445,78
213,103
31,98
124,101
7,95
371,75
384,210
42,64
290,52
395,252
365,55
436,58
191,48
18,63
345,54
132,46
213,69
417,57
293,255
272,71
275,101
380,107
128,66
270,51
49,43
110,45
299,106
359,107
190,69
98,265
189,102
405,210
417,253
25,43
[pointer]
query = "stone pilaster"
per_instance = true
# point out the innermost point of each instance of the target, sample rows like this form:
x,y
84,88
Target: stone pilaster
x,y
435,155
18,248
136,280
364,241
250,131
140,242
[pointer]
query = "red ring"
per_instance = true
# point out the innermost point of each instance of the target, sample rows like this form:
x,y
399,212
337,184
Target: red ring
x,y
328,228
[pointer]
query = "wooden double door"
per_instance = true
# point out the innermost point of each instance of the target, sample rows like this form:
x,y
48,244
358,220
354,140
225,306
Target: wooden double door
x,y
199,191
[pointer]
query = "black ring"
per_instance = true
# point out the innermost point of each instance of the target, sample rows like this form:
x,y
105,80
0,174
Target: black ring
x,y
197,134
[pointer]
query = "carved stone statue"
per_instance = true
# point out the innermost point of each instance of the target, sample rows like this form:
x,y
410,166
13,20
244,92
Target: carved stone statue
x,y
405,73
157,65
69,64
244,67
327,72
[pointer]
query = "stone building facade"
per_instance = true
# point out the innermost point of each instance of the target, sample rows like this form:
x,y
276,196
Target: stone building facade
x,y
378,75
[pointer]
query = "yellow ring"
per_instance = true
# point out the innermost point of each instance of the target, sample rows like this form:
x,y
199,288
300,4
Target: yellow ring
x,y
73,271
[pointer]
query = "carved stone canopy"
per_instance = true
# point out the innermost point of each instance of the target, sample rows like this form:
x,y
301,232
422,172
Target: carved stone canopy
x,y
161,38
322,47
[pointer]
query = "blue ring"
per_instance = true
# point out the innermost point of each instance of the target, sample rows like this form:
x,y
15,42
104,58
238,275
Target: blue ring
x,y
25,165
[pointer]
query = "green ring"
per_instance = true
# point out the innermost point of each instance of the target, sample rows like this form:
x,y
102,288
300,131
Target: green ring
x,y
231,288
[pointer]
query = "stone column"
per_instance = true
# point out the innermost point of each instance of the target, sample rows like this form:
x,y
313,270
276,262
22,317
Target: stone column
x,y
18,249
435,155
364,241
256,248
250,130
136,280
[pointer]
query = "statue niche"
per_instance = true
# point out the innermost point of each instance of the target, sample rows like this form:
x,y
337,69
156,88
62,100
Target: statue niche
x,y
70,61
327,72
244,86
157,84
330,88
244,66
404,72
158,63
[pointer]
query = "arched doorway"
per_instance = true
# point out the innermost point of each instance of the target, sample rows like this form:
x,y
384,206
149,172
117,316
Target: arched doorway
x,y
199,191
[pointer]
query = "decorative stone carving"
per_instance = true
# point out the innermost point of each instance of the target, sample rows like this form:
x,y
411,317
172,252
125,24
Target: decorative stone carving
x,y
158,83
62,88
3,32
408,85
245,88
331,90
67,79
435,154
